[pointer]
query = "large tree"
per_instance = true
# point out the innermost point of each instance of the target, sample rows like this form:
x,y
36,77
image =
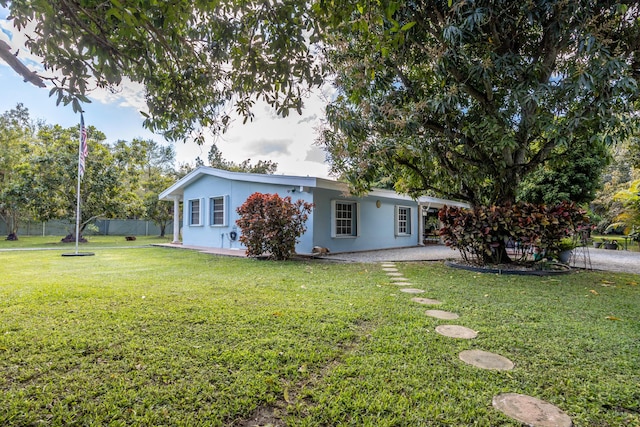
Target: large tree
x,y
467,99
462,98
196,59
16,135
105,189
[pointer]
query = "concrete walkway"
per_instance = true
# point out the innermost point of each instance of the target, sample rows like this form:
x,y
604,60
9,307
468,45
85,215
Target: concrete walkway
x,y
601,259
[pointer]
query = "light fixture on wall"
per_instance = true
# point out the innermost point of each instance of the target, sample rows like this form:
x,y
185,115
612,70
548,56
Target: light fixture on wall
x,y
378,203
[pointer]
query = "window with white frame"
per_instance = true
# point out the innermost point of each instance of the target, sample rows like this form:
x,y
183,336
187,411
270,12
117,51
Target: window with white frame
x,y
217,211
403,220
345,219
195,212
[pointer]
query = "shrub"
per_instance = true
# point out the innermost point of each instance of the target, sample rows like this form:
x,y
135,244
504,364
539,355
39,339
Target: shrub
x,y
271,225
482,234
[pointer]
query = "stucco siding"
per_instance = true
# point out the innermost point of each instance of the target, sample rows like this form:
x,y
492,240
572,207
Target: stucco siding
x,y
376,226
235,193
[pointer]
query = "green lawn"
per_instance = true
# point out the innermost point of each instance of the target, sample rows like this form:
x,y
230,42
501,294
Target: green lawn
x,y
53,242
158,336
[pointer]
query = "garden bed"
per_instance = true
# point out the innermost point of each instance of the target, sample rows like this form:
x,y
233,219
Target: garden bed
x,y
518,269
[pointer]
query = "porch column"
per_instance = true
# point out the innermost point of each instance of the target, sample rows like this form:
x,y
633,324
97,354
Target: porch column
x,y
176,219
421,212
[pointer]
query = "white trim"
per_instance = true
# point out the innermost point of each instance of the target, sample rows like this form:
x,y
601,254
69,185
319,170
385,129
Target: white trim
x,y
176,220
225,209
355,219
408,219
303,183
200,212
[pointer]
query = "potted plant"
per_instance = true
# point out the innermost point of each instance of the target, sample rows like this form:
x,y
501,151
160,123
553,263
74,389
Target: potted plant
x,y
565,250
611,244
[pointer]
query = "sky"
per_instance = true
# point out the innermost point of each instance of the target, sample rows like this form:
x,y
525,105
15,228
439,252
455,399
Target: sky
x,y
290,142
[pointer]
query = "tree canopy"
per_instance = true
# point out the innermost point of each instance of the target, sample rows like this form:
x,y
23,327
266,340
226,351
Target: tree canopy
x,y
463,99
194,58
38,174
16,136
466,99
262,166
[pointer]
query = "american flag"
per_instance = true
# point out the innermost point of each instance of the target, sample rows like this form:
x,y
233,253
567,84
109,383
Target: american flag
x,y
84,148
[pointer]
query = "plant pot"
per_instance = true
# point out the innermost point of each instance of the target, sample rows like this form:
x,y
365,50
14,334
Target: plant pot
x,y
597,244
565,256
613,246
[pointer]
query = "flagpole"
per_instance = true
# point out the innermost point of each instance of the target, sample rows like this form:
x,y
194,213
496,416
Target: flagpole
x,y
83,150
79,177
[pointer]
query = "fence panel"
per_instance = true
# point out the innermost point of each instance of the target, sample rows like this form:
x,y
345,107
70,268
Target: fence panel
x,y
106,227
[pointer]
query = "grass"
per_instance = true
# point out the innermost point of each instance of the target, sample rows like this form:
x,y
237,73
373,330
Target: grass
x,y
53,242
156,336
631,245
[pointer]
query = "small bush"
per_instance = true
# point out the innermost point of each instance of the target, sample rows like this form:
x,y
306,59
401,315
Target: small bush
x,y
271,225
482,234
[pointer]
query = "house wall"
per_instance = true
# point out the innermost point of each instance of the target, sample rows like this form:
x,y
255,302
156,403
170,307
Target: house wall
x,y
237,193
377,225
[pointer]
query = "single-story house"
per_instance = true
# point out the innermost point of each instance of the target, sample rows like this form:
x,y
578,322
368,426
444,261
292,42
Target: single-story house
x,y
382,219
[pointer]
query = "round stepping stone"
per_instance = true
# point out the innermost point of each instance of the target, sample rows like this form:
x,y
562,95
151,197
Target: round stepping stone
x,y
486,360
390,269
398,279
394,273
388,264
441,314
427,301
531,411
412,291
456,331
401,283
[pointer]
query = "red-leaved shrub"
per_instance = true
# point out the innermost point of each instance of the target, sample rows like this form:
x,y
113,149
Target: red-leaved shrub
x,y
482,234
271,225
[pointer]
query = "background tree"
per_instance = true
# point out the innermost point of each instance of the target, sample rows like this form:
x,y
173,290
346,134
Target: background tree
x,y
607,209
468,99
159,174
217,161
572,174
16,134
53,173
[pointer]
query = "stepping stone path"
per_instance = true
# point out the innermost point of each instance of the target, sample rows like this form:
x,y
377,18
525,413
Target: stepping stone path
x,y
531,411
486,360
456,331
441,314
525,409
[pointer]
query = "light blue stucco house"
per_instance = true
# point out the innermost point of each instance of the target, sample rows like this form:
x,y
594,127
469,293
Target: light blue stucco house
x,y
341,222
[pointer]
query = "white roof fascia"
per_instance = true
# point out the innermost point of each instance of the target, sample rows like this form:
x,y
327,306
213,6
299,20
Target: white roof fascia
x,y
177,189
438,201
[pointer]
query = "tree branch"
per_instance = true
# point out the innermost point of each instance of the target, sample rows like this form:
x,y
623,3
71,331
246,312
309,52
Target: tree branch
x,y
12,60
426,183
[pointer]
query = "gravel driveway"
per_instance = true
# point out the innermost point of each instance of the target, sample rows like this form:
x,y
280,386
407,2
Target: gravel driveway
x,y
601,259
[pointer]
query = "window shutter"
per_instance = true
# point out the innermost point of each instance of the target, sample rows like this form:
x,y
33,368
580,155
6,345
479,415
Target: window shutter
x,y
333,218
